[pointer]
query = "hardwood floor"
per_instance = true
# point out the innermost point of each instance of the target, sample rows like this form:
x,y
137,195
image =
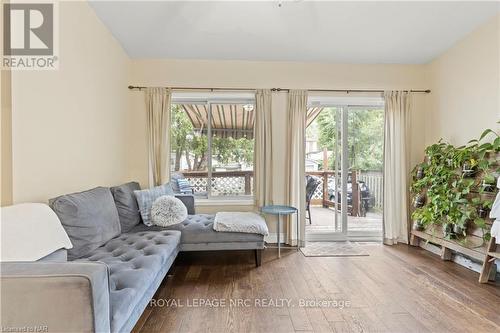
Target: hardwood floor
x,y
395,289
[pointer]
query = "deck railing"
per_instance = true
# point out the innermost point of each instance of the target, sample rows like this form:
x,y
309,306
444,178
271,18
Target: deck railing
x,y
373,179
225,183
238,182
375,182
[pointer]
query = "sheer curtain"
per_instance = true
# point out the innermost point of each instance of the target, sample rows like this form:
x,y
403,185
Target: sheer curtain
x,y
158,101
263,151
396,166
295,161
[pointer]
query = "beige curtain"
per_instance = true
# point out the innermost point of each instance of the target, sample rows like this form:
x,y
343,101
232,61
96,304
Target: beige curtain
x,y
158,101
295,161
263,152
396,166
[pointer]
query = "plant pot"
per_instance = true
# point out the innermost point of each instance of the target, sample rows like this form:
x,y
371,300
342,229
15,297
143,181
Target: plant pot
x,y
418,225
487,187
420,173
458,230
419,201
448,230
482,212
468,171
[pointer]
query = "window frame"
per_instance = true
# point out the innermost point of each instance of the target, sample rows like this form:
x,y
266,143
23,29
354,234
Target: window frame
x,y
208,100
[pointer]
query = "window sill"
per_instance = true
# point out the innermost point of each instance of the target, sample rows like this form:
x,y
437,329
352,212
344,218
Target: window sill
x,y
224,202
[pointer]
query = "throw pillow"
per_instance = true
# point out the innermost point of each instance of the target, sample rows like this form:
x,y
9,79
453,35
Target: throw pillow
x,y
168,210
126,204
145,199
90,219
184,186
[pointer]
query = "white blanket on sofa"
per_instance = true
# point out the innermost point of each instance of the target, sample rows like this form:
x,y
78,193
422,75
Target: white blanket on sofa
x,y
246,222
30,231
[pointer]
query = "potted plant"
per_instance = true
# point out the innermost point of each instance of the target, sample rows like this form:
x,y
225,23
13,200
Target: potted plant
x,y
488,184
481,223
483,207
420,173
448,230
421,218
460,229
419,201
418,225
469,168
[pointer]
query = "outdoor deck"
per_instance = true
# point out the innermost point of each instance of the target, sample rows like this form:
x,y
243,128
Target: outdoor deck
x,y
323,220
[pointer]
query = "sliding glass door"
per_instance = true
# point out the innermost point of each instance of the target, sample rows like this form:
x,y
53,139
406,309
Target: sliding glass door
x,y
344,164
365,160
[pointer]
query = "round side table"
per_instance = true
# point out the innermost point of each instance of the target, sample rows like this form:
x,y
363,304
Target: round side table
x,y
281,210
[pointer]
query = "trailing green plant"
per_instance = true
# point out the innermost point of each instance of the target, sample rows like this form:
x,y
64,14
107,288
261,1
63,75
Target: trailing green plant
x,y
445,180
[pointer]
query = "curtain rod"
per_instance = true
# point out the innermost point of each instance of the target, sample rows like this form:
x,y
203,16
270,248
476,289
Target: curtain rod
x,y
282,89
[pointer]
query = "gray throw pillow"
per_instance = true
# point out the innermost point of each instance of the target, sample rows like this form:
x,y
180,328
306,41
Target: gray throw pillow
x,y
90,219
126,204
145,199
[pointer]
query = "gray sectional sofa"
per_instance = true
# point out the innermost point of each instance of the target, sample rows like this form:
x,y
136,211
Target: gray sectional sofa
x,y
114,268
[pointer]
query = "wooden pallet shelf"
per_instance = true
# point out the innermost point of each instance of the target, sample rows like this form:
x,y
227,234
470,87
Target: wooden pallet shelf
x,y
495,255
472,246
488,264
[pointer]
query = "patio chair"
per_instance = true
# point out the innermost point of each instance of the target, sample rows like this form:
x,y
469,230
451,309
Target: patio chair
x,y
312,184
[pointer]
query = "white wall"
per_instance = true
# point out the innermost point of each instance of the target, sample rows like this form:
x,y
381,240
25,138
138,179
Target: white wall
x,y
465,83
69,126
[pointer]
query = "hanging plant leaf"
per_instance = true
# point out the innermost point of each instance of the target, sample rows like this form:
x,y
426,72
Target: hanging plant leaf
x,y
486,132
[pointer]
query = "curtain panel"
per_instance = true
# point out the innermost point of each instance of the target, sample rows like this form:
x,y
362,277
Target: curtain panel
x,y
158,102
396,166
295,161
263,150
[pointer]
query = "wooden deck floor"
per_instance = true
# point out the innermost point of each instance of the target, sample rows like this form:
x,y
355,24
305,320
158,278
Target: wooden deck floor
x,y
323,220
395,289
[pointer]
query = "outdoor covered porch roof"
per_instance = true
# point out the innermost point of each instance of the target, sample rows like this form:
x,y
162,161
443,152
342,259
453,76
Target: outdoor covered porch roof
x,y
228,120
231,120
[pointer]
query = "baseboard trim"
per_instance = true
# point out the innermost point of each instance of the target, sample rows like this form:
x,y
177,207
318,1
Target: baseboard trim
x,y
272,238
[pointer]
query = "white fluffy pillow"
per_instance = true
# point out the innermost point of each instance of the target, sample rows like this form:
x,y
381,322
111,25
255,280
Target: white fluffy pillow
x,y
168,210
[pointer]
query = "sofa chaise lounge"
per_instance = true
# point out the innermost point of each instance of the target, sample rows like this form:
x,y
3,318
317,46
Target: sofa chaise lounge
x,y
107,279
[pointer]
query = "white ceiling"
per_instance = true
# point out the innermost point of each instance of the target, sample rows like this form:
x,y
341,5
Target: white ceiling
x,y
311,31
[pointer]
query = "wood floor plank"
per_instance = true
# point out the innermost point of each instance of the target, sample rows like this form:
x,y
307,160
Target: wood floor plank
x,y
394,289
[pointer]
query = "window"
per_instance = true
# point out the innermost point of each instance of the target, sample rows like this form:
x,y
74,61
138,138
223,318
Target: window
x,y
215,156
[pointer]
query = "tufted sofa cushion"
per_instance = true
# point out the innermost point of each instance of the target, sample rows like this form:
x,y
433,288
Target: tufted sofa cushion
x,y
126,204
199,229
90,219
134,260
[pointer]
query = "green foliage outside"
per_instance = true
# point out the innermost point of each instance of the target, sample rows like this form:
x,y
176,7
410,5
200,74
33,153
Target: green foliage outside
x,y
365,139
193,147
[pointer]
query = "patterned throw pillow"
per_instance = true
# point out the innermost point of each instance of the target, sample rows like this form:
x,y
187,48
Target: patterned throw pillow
x,y
145,199
168,210
184,186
